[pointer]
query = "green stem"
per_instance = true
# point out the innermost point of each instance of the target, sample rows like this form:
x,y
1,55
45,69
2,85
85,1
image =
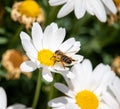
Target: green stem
x,y
52,15
52,91
37,91
15,37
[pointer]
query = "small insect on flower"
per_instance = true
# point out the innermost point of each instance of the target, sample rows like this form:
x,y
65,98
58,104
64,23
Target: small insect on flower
x,y
62,58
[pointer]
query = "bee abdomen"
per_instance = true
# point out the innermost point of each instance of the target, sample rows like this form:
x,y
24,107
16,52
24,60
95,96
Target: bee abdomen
x,y
66,59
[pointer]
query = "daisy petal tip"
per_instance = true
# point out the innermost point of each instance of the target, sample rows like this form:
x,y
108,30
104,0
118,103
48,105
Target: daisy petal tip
x,y
81,58
63,30
35,23
78,17
70,75
27,66
3,98
51,3
2,91
50,103
103,19
24,35
78,58
48,79
59,15
21,34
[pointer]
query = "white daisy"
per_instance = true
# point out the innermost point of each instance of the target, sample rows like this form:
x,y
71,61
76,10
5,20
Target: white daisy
x,y
18,106
88,90
3,99
3,102
96,7
114,87
41,49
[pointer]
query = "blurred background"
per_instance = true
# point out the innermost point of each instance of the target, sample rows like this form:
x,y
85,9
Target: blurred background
x,y
100,42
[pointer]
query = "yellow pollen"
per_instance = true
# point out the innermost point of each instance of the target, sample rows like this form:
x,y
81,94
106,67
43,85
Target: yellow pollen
x,y
30,8
45,57
87,100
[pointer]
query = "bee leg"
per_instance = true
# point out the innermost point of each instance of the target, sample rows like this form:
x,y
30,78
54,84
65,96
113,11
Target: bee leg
x,y
52,58
73,59
63,64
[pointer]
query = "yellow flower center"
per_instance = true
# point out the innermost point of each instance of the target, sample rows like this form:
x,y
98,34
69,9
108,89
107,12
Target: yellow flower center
x,y
45,57
30,8
87,100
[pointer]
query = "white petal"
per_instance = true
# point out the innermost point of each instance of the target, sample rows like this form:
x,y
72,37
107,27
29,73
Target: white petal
x,y
61,101
48,34
28,66
110,101
56,39
110,5
87,66
66,9
47,74
74,49
24,35
79,81
115,88
97,76
72,106
96,8
70,74
27,45
31,57
37,36
68,78
103,106
56,2
62,107
101,77
16,106
3,99
77,58
76,69
106,79
54,26
64,89
67,45
80,8
89,8
84,71
59,67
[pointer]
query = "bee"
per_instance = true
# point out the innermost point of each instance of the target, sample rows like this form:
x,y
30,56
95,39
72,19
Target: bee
x,y
61,57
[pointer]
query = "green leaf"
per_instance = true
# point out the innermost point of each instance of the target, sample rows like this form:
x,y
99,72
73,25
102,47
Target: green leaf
x,y
2,31
2,73
3,40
